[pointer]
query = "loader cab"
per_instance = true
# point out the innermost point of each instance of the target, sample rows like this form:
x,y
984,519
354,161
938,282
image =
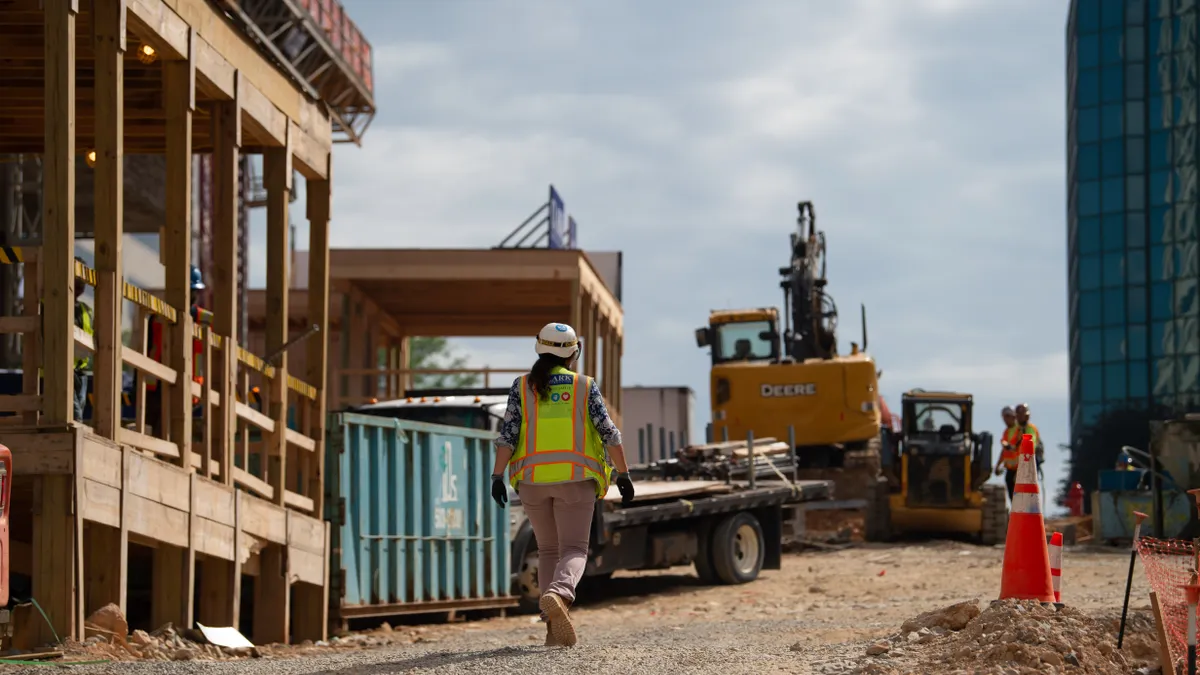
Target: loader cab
x,y
741,336
943,461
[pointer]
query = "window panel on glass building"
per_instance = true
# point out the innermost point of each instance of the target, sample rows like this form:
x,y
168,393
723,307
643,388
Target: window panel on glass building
x,y
1139,375
1135,229
1136,342
1114,382
1134,191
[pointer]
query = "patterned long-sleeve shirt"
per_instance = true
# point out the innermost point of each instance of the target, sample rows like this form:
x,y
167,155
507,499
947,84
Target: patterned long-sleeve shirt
x,y
510,429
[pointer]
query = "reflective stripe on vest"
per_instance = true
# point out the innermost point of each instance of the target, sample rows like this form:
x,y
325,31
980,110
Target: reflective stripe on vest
x,y
549,451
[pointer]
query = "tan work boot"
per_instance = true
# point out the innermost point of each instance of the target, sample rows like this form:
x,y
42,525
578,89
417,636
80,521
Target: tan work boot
x,y
560,632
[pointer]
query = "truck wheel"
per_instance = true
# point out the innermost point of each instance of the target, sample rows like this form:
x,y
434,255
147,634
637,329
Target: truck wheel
x,y
995,515
738,548
704,557
527,581
879,512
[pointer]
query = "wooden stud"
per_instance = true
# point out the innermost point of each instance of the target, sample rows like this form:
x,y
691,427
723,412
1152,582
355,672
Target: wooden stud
x,y
109,22
277,180
319,195
227,121
180,101
31,342
58,217
206,419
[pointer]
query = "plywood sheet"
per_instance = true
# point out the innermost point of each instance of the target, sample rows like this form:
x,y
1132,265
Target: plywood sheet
x,y
648,490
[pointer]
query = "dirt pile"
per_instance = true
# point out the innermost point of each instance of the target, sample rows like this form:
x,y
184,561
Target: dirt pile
x,y
1008,638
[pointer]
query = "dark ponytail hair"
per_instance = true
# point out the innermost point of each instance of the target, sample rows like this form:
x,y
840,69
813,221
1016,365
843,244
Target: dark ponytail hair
x,y
539,374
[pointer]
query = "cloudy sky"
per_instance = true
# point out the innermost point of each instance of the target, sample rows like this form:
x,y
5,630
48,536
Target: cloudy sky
x,y
929,133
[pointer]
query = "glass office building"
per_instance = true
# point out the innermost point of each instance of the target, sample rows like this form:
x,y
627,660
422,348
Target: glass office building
x,y
1132,206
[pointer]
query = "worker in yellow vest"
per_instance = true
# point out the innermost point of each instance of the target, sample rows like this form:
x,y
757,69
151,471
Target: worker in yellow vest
x,y
85,319
1010,447
559,446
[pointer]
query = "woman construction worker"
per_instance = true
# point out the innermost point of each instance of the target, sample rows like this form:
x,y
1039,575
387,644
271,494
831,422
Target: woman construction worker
x,y
556,442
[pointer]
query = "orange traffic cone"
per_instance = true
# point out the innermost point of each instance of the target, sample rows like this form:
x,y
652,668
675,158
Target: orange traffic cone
x,y
1026,574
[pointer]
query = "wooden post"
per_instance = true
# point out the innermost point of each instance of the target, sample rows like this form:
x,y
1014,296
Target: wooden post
x,y
109,36
55,541
179,99
277,177
576,308
227,139
319,197
58,214
588,331
31,343
403,363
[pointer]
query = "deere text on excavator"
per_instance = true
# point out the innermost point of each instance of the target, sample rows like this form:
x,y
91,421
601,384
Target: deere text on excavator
x,y
766,380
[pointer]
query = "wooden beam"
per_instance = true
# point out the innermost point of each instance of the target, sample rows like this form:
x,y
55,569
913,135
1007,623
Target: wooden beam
x,y
179,79
591,284
226,181
319,197
58,213
217,76
109,31
267,123
243,55
159,26
312,158
277,173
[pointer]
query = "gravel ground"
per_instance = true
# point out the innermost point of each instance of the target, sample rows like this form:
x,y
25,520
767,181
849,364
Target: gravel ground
x,y
816,615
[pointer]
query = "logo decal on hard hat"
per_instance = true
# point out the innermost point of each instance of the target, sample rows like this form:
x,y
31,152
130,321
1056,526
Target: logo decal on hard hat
x,y
560,328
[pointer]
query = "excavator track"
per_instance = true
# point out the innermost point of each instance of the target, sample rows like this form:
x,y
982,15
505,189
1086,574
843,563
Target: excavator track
x,y
857,477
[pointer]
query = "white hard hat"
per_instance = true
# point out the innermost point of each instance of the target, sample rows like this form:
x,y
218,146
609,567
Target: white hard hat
x,y
558,339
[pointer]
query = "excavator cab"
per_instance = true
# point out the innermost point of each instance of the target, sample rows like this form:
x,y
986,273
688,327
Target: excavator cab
x,y
741,336
938,484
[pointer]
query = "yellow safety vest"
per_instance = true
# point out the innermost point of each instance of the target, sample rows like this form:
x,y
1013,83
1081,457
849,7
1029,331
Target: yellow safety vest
x,y
83,319
558,442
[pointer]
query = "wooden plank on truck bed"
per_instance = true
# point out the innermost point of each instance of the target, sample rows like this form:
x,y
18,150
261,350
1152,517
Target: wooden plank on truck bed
x,y
762,450
667,489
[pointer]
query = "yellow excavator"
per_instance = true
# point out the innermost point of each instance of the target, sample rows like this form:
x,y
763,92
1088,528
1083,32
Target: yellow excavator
x,y
766,379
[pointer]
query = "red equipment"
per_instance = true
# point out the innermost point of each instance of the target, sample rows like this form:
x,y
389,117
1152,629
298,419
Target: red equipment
x,y
1074,501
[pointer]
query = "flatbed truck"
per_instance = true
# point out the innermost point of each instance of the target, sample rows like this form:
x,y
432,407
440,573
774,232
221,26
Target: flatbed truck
x,y
729,531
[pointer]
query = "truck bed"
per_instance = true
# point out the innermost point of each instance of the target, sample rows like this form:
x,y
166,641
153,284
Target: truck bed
x,y
672,500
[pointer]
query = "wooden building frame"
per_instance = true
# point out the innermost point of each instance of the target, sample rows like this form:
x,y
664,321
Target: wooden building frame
x,y
381,297
101,79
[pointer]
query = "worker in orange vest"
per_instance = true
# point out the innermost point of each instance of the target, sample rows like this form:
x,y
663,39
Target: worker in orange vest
x,y
1010,448
199,315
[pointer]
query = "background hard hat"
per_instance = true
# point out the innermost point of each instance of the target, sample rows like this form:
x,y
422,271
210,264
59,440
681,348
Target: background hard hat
x,y
1007,411
197,279
558,339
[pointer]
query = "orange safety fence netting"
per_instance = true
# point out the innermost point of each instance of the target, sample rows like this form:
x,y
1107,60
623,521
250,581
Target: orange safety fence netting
x,y
1169,565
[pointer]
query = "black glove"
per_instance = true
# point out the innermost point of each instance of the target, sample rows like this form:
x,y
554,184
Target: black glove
x,y
499,490
625,487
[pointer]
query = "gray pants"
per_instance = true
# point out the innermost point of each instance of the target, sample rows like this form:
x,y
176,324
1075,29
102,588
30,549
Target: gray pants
x,y
561,516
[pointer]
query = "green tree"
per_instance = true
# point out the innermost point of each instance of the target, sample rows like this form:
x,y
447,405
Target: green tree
x,y
436,353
